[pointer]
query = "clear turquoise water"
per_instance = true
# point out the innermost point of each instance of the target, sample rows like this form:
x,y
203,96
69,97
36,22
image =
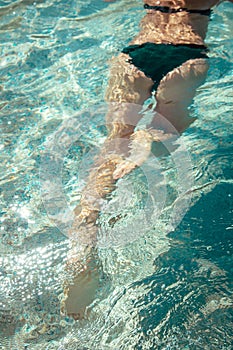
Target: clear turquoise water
x,y
171,287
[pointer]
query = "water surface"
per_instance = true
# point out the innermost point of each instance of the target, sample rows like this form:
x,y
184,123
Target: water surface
x,y
171,288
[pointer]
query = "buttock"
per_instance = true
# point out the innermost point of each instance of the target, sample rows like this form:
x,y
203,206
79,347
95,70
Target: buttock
x,y
157,60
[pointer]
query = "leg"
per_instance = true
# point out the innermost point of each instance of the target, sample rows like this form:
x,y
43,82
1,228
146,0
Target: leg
x,y
176,92
140,148
127,91
174,95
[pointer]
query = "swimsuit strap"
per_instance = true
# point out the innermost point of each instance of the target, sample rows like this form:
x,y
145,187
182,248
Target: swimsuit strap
x,y
166,9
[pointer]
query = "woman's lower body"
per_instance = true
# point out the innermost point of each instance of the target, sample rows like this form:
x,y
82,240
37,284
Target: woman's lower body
x,y
129,87
132,81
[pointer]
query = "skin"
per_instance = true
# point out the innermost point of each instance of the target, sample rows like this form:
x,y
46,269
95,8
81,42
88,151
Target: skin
x,y
125,148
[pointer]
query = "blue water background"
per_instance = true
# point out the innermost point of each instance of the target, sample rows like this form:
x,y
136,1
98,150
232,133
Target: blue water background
x,y
171,288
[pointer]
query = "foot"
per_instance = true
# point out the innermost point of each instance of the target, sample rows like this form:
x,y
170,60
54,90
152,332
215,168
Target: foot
x,y
80,290
80,293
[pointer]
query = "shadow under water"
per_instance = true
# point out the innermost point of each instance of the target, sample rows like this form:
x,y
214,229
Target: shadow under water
x,y
188,300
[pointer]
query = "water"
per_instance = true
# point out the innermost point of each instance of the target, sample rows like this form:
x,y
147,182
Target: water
x,y
171,287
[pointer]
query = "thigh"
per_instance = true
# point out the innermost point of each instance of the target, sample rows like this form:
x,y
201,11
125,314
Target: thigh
x,y
127,84
127,90
176,91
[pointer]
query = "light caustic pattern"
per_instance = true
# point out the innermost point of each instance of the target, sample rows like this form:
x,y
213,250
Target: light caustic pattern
x,y
138,214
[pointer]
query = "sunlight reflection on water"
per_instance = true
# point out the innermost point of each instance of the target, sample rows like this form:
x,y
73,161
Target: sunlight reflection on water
x,y
160,291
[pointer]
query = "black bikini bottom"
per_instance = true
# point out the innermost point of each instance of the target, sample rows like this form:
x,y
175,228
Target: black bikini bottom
x,y
156,60
166,9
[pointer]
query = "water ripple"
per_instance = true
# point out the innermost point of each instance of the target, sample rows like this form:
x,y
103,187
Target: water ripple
x,y
170,289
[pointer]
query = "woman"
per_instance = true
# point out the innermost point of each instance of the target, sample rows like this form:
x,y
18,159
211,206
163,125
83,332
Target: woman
x,y
168,58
